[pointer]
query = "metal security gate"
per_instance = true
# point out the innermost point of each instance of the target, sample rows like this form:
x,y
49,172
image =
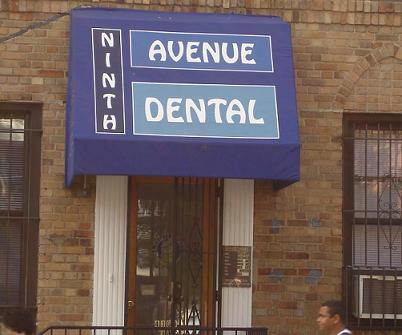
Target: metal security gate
x,y
373,220
172,252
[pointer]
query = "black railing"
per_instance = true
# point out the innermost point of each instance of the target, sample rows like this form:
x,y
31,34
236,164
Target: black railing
x,y
179,330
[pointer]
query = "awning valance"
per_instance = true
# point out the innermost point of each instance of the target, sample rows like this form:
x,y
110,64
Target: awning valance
x,y
179,94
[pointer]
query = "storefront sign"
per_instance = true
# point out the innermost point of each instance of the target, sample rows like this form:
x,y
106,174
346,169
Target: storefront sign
x,y
201,51
205,110
181,94
108,81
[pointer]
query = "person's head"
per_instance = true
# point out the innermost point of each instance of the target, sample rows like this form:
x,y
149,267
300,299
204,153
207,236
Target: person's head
x,y
20,321
331,317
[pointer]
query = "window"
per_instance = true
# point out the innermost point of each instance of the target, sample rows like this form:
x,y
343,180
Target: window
x,y
372,220
20,133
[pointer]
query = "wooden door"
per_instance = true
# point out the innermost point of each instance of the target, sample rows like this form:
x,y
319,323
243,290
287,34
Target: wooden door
x,y
172,252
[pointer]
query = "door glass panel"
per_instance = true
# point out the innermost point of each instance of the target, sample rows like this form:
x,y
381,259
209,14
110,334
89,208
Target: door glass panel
x,y
169,264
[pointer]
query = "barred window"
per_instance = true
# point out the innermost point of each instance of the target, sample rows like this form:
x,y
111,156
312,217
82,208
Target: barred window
x,y
372,215
20,132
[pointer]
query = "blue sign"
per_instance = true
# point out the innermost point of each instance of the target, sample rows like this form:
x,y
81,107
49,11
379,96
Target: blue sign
x,y
205,110
201,51
108,81
181,94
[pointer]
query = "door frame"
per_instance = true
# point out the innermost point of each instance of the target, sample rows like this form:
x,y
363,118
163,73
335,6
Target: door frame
x,y
211,302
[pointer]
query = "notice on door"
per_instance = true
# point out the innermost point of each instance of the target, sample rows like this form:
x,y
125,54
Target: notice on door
x,y
236,266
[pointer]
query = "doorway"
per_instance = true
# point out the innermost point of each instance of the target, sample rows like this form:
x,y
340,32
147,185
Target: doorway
x,y
172,252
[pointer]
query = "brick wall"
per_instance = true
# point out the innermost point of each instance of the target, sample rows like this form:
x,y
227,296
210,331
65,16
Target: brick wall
x,y
347,56
33,67
339,67
298,237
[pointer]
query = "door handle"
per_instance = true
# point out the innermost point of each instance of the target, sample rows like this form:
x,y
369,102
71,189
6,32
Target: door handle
x,y
130,304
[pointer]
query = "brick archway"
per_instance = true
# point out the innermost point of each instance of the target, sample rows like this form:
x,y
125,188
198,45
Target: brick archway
x,y
361,66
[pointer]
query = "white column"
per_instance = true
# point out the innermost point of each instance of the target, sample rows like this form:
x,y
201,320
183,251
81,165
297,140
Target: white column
x,y
238,214
110,250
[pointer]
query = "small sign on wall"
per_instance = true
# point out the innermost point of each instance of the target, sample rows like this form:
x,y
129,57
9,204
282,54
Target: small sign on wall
x,y
236,266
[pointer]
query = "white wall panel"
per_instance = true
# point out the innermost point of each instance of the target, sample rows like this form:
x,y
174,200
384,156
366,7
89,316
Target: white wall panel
x,y
238,214
110,250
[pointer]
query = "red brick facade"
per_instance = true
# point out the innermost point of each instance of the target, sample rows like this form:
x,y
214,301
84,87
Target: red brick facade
x,y
347,56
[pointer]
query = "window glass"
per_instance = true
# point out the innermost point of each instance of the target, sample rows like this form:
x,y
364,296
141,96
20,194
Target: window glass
x,y
19,204
377,173
12,165
373,220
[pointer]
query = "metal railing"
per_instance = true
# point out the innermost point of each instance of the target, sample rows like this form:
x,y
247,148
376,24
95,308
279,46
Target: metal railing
x,y
374,296
178,330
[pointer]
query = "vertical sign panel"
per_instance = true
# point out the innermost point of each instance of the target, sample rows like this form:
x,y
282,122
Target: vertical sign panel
x,y
108,81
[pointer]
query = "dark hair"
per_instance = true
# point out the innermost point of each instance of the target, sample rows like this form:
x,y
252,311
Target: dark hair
x,y
20,320
335,307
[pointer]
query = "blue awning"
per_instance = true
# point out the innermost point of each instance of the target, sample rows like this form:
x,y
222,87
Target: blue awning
x,y
181,94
